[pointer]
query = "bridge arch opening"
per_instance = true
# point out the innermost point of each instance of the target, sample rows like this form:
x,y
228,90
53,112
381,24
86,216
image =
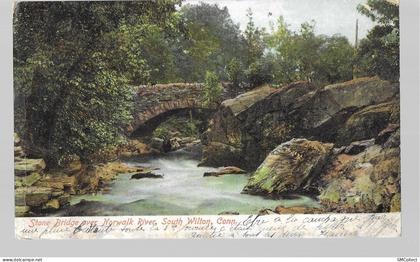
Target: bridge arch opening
x,y
182,116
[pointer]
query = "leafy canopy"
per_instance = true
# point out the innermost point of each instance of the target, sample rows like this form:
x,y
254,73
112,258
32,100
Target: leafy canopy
x,y
379,53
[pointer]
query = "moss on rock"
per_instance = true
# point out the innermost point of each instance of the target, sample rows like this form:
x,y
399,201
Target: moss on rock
x,y
289,168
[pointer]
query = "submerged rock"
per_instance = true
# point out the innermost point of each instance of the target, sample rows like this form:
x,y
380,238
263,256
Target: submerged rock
x,y
146,175
289,168
228,213
225,171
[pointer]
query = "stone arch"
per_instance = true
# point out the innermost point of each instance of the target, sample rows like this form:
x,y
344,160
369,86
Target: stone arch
x,y
150,119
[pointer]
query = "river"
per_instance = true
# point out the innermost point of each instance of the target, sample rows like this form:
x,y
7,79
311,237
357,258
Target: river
x,y
182,191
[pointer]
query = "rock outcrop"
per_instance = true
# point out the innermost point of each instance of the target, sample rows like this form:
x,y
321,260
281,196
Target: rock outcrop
x,y
289,168
223,140
339,142
248,127
38,190
95,177
365,182
32,192
26,166
368,122
361,177
135,147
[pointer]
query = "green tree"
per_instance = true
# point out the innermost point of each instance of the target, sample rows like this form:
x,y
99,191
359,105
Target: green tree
x,y
260,72
234,71
305,56
257,71
211,41
335,61
73,66
378,54
212,89
254,40
281,42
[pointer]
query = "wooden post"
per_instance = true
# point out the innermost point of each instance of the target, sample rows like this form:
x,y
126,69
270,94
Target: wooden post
x,y
356,41
356,45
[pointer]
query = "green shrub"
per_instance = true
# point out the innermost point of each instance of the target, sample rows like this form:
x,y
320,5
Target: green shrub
x,y
212,89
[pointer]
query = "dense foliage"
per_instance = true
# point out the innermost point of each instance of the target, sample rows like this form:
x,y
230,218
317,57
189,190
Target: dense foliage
x,y
212,41
291,56
76,63
73,66
379,53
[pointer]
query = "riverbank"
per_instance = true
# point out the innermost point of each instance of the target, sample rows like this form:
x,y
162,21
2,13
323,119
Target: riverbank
x,y
337,145
40,190
339,142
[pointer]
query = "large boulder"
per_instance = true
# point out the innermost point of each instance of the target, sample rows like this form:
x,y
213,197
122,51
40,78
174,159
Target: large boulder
x,y
289,168
226,125
254,127
251,124
242,102
220,154
347,96
367,122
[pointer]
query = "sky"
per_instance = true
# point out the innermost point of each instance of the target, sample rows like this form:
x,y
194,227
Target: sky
x,y
331,16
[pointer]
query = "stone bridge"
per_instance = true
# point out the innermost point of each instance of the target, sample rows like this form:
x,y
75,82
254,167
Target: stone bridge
x,y
153,102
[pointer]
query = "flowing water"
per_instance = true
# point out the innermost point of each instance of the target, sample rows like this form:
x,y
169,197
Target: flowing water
x,y
182,191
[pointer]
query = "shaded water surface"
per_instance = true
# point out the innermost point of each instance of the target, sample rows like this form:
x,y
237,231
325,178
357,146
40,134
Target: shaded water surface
x,y
182,191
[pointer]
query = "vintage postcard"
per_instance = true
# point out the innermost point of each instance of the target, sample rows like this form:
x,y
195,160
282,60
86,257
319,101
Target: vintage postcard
x,y
206,119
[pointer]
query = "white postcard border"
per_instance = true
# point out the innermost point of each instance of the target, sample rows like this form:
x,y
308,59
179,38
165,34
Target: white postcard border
x,y
378,225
